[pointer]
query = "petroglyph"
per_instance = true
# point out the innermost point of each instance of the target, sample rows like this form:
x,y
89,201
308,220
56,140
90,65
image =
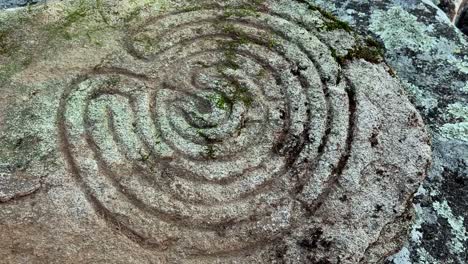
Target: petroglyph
x,y
245,132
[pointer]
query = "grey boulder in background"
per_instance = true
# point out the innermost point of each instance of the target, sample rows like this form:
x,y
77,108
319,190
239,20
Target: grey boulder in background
x,y
430,55
201,132
17,3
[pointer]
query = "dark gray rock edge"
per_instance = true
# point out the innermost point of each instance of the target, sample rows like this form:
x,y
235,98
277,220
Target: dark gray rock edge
x,y
17,3
430,55
436,77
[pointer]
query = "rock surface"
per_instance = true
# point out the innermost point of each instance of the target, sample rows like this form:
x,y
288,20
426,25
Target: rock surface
x,y
430,55
201,132
457,11
462,20
17,3
453,8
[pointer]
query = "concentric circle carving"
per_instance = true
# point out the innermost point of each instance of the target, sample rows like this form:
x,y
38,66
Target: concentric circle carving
x,y
231,136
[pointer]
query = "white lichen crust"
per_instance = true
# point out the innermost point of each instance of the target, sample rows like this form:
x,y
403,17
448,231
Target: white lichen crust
x,y
232,132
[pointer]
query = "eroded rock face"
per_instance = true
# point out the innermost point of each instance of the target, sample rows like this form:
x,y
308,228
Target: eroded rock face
x,y
425,49
456,10
462,19
207,132
17,3
430,55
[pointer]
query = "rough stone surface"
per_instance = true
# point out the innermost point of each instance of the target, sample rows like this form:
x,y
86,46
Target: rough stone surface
x,y
430,55
453,8
462,19
457,11
201,132
17,3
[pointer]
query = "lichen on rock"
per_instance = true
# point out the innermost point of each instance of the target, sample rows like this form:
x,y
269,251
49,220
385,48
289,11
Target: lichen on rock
x,y
233,131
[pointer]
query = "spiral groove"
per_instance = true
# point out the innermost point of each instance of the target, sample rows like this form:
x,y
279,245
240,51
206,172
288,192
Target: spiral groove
x,y
234,133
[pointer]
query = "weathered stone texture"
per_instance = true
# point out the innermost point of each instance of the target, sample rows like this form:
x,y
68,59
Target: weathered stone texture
x,y
430,55
17,3
201,132
456,10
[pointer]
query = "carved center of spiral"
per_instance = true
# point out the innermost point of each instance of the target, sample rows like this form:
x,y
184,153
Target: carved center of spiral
x,y
226,131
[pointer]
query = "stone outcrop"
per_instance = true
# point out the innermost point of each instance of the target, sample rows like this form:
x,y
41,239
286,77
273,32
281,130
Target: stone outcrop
x,y
430,55
201,132
17,3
